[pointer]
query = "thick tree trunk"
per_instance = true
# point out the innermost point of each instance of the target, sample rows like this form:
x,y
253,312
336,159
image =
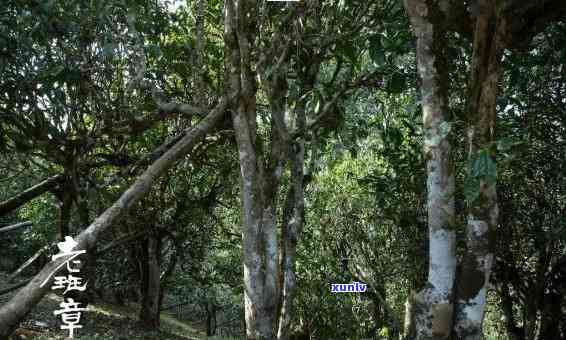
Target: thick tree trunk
x,y
433,305
258,183
482,210
19,306
28,194
151,290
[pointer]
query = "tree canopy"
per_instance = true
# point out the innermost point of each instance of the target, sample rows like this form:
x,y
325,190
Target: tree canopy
x,y
229,162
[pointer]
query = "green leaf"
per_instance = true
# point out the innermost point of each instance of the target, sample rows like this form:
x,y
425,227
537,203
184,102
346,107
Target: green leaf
x,y
396,83
504,144
108,50
471,188
57,70
484,167
153,50
348,50
376,51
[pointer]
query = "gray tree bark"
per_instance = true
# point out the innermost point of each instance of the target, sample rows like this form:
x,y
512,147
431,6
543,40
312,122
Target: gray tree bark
x,y
494,26
294,209
433,305
292,227
259,174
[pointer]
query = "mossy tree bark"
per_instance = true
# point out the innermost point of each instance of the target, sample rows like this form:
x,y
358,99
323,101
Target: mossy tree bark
x,y
494,26
259,173
433,307
482,209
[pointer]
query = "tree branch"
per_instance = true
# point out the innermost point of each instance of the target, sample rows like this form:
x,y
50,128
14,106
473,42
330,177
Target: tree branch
x,y
120,241
28,194
20,305
29,261
14,287
15,226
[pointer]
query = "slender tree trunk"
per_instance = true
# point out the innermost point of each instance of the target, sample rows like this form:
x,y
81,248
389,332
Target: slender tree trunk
x,y
12,312
199,77
29,262
293,221
530,318
433,305
149,313
210,318
513,331
409,327
482,210
290,235
166,275
143,270
383,314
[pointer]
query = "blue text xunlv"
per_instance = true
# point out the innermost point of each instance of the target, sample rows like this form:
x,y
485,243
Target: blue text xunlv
x,y
355,287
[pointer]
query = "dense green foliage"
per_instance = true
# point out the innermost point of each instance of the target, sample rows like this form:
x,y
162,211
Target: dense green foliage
x,y
71,103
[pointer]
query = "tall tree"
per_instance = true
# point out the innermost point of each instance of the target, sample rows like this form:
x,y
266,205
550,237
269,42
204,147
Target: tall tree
x,y
434,303
271,142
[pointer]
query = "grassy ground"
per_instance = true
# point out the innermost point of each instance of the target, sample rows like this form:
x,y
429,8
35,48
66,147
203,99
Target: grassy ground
x,y
101,321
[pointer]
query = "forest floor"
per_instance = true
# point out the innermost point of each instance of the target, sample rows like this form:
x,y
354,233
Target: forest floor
x,y
101,321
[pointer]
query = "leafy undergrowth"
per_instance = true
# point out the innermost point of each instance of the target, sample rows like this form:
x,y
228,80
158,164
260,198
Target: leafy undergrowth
x,y
101,321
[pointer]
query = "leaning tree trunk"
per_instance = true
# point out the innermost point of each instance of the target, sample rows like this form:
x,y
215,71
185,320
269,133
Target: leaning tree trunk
x,y
433,305
21,304
473,278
